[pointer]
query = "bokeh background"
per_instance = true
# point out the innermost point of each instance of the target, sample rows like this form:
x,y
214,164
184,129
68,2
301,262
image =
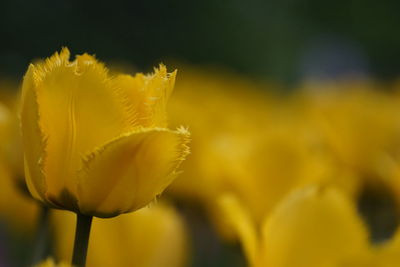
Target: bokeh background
x,y
281,42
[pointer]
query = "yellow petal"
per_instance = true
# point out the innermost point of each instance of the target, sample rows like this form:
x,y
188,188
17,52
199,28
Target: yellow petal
x,y
147,96
17,211
32,137
313,227
240,220
129,172
79,109
151,237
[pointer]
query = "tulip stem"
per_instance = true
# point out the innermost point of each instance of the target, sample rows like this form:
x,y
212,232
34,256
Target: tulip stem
x,y
82,232
41,243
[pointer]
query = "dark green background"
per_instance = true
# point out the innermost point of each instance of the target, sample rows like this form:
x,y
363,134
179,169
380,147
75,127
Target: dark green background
x,y
266,39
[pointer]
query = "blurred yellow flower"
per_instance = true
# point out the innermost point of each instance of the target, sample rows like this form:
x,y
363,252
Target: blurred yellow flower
x,y
50,263
94,143
314,226
359,122
17,210
11,146
260,147
154,236
247,141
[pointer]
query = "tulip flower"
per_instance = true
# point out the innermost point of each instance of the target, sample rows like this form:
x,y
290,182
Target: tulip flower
x,y
243,143
21,214
359,122
24,212
11,150
97,144
94,143
11,147
313,226
16,210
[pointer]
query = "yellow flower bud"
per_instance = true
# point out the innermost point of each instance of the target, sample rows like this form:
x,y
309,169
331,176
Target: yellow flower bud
x,y
94,143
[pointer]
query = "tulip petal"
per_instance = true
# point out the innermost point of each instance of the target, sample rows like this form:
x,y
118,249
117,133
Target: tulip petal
x,y
32,137
130,171
154,236
147,96
315,226
240,220
80,109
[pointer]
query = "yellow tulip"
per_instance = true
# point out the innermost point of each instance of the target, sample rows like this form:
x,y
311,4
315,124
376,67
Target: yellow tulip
x,y
359,123
313,226
243,143
16,209
150,237
94,143
317,226
222,129
11,145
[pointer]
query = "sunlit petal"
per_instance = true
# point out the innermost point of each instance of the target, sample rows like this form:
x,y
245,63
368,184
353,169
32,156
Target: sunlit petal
x,y
129,172
79,110
33,138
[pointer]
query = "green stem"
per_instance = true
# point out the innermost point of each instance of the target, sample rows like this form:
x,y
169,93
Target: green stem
x,y
82,232
42,237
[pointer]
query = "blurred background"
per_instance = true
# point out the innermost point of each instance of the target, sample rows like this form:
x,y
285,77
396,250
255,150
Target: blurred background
x,y
242,52
279,40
